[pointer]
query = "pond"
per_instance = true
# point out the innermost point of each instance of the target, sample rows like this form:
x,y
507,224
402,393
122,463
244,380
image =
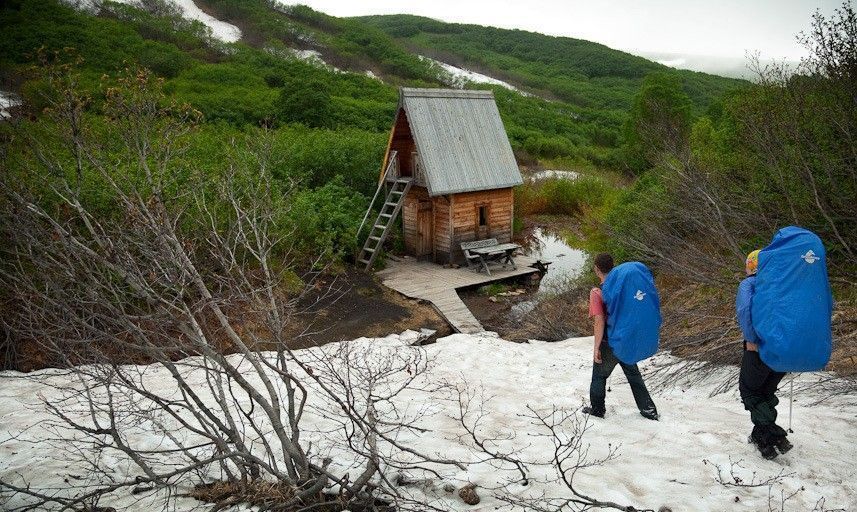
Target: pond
x,y
567,263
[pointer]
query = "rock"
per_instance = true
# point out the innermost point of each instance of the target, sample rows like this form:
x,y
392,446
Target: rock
x,y
468,494
449,488
665,508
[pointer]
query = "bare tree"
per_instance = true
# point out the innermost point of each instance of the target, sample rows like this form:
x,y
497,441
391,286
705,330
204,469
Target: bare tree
x,y
182,271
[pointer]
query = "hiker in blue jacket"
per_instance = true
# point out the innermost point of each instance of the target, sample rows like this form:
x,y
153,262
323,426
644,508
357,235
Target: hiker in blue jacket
x,y
758,382
604,361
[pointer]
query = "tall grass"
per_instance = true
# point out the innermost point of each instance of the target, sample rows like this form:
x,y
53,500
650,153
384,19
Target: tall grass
x,y
562,196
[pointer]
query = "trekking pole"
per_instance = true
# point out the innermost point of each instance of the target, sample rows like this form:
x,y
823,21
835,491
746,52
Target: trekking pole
x,y
791,401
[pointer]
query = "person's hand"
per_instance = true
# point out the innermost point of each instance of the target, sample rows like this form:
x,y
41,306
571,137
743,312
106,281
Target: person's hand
x,y
596,355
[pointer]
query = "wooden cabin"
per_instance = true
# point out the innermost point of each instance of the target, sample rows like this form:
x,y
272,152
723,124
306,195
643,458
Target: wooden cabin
x,y
453,147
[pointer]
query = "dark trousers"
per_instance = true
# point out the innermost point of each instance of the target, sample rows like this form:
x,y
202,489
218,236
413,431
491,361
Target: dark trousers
x,y
758,387
598,388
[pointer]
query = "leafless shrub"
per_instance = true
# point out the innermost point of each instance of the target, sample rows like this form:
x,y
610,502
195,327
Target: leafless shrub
x,y
777,496
562,430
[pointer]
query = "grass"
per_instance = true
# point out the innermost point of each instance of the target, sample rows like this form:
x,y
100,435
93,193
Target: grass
x,y
493,289
562,196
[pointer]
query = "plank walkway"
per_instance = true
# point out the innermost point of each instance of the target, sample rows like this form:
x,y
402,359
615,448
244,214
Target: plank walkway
x,y
436,284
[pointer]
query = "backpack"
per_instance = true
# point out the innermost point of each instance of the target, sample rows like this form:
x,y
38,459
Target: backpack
x,y
792,304
633,312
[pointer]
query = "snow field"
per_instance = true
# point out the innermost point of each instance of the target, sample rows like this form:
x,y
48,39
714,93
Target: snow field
x,y
659,463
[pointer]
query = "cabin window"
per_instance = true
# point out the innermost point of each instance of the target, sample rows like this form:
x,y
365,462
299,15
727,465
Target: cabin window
x,y
483,216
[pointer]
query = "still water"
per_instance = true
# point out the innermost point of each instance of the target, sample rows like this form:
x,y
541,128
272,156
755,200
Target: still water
x,y
567,263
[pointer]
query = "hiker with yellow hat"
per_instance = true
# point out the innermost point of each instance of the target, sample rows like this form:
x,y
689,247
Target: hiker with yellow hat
x,y
758,382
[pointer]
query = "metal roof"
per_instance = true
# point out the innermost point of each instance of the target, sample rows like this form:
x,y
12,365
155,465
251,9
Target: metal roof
x,y
460,139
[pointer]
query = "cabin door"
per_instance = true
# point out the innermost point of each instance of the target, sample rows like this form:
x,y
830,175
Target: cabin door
x,y
424,229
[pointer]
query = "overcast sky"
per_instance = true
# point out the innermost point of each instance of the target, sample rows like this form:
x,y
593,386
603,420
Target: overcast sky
x,y
720,28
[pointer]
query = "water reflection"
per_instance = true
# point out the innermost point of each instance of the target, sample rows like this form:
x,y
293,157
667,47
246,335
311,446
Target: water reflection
x,y
567,263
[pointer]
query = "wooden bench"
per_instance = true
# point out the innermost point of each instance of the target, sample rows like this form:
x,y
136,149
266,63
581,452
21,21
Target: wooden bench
x,y
479,252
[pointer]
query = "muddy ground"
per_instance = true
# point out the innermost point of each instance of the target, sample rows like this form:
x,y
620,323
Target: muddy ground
x,y
367,308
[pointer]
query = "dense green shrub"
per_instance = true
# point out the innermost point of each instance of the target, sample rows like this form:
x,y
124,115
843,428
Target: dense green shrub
x,y
226,91
305,102
326,219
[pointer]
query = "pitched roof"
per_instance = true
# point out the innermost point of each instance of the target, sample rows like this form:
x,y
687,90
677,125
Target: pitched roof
x,y
461,140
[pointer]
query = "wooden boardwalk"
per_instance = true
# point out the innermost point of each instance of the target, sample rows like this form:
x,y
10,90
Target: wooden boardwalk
x,y
436,284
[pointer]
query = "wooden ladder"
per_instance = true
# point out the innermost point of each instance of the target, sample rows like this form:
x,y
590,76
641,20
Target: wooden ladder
x,y
385,220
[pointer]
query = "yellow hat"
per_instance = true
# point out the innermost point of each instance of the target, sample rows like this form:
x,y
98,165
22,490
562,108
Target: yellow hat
x,y
752,262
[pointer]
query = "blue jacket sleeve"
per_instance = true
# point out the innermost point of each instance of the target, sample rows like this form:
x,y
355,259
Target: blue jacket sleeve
x,y
743,304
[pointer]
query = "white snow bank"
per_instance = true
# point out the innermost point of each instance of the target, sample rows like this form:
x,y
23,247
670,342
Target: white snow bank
x,y
554,173
660,463
7,101
460,76
226,32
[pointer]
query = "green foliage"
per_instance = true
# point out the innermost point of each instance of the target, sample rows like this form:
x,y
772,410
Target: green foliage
x,y
229,92
329,126
313,157
562,196
326,219
778,154
306,102
659,120
105,43
581,73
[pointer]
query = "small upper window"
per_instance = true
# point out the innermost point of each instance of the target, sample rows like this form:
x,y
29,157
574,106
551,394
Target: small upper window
x,y
483,215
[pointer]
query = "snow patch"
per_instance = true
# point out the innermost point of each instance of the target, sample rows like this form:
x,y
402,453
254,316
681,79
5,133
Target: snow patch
x,y
220,30
660,463
459,77
226,32
314,57
554,173
7,101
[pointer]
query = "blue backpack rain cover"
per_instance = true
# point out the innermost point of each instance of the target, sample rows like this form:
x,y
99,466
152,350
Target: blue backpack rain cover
x,y
633,312
792,305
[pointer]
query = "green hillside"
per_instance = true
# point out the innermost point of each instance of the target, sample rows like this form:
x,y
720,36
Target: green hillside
x,y
579,72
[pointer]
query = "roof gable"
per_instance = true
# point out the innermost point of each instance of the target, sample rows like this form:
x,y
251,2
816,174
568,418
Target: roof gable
x,y
461,140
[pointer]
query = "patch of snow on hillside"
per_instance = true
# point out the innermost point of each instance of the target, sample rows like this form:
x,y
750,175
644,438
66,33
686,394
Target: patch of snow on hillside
x,y
660,463
314,57
226,32
220,30
7,101
460,76
309,55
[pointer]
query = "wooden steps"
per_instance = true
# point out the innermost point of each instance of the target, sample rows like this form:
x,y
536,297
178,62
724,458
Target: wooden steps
x,y
384,222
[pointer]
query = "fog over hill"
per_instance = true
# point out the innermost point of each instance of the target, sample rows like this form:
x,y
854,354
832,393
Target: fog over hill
x,y
732,67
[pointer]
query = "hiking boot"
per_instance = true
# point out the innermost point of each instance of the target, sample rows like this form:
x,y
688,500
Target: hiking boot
x,y
783,444
767,450
650,415
592,412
